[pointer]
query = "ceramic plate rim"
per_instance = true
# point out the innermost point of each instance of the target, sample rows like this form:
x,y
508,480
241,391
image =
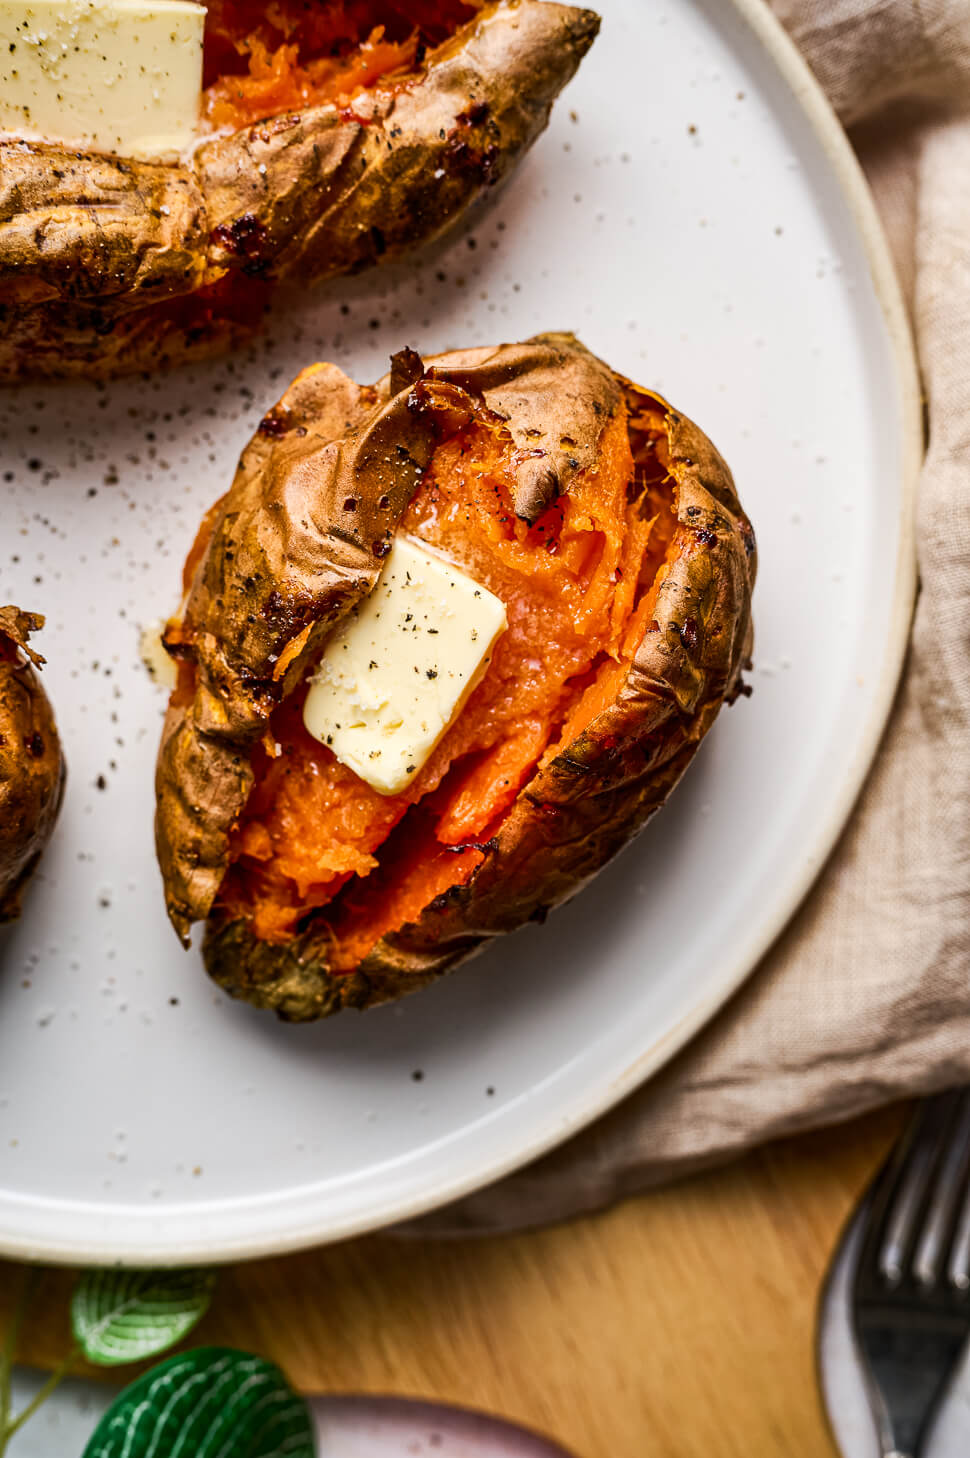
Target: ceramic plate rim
x,y
316,1230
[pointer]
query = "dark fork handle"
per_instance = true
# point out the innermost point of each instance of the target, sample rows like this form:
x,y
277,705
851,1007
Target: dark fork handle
x,y
914,1364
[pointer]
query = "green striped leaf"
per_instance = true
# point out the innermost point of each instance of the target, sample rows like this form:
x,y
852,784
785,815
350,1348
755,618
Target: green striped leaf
x,y
126,1316
211,1402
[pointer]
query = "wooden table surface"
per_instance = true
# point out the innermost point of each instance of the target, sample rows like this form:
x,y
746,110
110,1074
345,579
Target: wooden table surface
x,y
678,1325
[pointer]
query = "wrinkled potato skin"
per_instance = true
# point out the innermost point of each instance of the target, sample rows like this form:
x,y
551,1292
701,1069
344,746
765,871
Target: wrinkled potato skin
x,y
98,229
87,241
31,763
575,814
292,551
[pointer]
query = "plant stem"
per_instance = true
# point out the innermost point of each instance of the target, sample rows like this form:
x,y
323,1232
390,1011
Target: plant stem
x,y
31,1277
57,1376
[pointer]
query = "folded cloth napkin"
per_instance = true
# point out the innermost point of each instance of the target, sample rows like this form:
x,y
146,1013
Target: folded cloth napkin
x,y
866,997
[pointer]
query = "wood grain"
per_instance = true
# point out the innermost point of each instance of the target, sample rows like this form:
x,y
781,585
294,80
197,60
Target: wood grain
x,y
679,1325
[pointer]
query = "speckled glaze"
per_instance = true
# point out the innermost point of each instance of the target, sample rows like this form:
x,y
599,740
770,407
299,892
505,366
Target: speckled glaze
x,y
708,233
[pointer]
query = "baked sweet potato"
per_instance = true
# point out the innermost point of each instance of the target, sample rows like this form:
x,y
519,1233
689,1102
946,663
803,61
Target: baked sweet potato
x,y
31,762
360,130
610,528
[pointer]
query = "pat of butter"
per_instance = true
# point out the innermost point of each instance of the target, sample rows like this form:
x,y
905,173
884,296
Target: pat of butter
x,y
398,672
121,76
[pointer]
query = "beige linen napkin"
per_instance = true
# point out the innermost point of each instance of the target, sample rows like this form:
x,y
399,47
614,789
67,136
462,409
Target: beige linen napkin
x,y
866,997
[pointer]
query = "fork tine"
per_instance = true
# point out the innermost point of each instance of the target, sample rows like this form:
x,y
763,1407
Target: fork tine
x,y
958,1267
946,1197
901,1190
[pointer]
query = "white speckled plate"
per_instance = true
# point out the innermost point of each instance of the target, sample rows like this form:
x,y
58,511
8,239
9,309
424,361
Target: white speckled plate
x,y
696,216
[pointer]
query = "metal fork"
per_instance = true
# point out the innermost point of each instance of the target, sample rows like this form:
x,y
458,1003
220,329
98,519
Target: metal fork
x,y
911,1291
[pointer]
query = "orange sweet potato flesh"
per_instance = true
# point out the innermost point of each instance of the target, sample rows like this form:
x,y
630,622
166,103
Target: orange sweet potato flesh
x,y
611,529
261,60
570,583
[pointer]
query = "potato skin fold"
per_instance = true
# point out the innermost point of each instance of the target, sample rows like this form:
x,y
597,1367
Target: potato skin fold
x,y
298,542
31,763
573,815
87,241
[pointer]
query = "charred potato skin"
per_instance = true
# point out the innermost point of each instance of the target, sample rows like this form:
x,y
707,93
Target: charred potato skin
x,y
86,241
31,763
581,809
